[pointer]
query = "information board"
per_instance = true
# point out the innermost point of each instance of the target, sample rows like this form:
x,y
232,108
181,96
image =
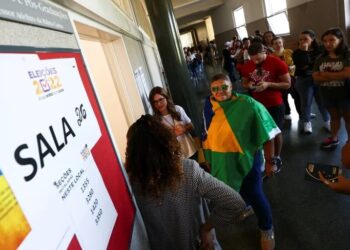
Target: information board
x,y
60,180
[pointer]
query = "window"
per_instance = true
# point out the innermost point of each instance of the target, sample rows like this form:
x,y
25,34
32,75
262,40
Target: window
x,y
239,18
186,40
276,12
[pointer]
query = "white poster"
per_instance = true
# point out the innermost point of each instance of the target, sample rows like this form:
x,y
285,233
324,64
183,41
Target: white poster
x,y
47,130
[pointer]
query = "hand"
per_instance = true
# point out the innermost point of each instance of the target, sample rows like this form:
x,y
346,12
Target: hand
x,y
262,86
304,46
251,85
179,129
291,69
270,168
207,239
342,186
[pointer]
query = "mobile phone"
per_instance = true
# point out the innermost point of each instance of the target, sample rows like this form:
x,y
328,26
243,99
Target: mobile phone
x,y
330,172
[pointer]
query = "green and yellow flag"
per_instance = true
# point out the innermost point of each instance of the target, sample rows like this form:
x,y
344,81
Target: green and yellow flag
x,y
235,130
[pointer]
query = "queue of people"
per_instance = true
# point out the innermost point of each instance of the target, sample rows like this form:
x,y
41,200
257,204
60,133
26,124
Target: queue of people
x,y
308,83
181,204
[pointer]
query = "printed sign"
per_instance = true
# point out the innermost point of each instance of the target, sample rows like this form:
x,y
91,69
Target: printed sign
x,y
46,153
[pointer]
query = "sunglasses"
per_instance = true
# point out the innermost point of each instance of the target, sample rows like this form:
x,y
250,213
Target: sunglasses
x,y
223,87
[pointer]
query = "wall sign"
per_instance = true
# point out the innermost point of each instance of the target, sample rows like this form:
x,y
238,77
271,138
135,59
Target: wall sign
x,y
36,12
59,176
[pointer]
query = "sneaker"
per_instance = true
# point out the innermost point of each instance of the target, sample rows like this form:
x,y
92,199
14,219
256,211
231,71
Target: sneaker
x,y
312,115
327,126
329,143
277,161
248,211
267,240
307,128
287,117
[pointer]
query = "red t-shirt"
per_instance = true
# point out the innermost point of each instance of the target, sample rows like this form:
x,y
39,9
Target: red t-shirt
x,y
272,69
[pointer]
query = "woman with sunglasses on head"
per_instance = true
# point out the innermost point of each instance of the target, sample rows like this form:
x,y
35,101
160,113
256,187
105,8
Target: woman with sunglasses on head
x,y
304,59
237,129
331,71
171,192
174,117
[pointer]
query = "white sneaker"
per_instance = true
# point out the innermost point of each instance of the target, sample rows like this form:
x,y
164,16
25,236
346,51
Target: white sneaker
x,y
307,128
327,126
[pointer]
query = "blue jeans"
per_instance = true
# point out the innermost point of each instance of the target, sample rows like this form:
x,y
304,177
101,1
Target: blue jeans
x,y
253,194
307,90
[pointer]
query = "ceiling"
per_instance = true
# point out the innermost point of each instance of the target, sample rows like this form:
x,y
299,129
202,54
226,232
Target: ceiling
x,y
190,12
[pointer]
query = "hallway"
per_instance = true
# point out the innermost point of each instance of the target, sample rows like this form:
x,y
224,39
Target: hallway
x,y
306,215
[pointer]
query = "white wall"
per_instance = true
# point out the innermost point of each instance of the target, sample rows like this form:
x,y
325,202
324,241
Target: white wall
x,y
153,66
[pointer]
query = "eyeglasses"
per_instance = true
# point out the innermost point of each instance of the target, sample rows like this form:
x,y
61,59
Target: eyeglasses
x,y
160,100
223,87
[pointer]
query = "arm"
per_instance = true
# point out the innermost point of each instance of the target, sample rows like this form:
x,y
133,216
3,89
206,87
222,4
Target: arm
x,y
207,239
342,186
246,83
301,59
284,84
329,76
185,125
269,151
181,128
227,204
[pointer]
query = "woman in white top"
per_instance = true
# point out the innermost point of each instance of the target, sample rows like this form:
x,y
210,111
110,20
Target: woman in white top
x,y
174,117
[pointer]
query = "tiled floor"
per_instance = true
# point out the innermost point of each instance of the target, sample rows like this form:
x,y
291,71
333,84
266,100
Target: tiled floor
x,y
306,215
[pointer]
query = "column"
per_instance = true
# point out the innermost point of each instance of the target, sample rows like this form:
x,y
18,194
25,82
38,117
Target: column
x,y
168,41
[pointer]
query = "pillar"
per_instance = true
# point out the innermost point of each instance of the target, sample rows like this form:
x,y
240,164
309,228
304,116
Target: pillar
x,y
168,41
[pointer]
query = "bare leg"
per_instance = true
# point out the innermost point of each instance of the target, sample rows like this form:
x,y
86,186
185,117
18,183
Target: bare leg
x,y
335,122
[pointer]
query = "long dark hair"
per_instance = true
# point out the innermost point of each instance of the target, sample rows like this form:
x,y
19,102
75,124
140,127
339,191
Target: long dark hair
x,y
342,48
314,44
171,107
264,37
153,157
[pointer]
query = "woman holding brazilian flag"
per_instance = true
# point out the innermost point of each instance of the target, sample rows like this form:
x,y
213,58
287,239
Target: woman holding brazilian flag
x,y
238,134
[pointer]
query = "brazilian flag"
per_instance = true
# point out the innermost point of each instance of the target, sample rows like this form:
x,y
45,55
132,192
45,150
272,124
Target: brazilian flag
x,y
235,130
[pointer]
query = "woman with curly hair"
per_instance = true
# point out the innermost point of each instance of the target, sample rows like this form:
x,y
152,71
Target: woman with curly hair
x,y
169,190
174,117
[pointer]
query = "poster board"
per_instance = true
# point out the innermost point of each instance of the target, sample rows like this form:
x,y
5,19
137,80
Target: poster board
x,y
58,161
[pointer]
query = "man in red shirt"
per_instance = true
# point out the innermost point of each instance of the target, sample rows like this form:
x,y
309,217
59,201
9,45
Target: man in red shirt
x,y
265,76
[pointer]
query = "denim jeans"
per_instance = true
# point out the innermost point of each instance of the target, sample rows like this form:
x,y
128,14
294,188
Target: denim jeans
x,y
253,194
307,91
